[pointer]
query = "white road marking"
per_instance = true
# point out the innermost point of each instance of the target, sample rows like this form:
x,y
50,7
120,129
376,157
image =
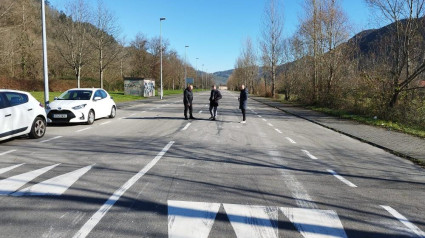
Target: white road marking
x,y
12,184
270,124
259,116
132,114
309,155
278,131
85,129
200,112
105,123
187,126
405,221
92,222
7,152
191,219
264,119
342,179
291,140
121,118
4,170
54,138
55,186
313,223
252,221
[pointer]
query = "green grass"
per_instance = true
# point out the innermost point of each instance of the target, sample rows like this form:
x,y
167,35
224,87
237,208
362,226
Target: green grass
x,y
411,130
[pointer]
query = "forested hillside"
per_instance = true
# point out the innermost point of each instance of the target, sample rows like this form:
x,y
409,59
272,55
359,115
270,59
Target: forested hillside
x,y
84,49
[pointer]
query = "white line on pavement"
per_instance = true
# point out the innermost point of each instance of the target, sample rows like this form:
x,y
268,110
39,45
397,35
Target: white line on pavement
x,y
88,128
278,131
105,123
291,140
187,126
405,221
259,116
264,119
54,138
200,112
4,170
309,155
7,152
342,179
92,222
270,124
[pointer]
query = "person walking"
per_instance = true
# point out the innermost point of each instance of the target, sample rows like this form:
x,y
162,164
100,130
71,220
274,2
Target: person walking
x,y
215,96
243,100
187,101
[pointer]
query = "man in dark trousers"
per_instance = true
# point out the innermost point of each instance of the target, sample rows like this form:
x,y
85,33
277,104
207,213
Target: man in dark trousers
x,y
187,100
243,100
215,96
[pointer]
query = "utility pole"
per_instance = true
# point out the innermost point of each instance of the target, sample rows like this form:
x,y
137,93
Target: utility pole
x,y
160,48
45,69
196,76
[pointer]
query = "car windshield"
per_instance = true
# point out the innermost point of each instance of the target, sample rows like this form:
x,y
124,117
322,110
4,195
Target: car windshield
x,y
76,95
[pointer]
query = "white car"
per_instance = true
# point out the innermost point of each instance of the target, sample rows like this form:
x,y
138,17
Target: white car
x,y
81,105
21,114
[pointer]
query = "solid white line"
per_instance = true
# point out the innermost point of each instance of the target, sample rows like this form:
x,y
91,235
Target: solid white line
x,y
12,184
270,124
88,128
105,123
55,186
309,155
7,152
187,126
54,138
92,222
342,179
291,140
264,119
278,131
4,170
405,221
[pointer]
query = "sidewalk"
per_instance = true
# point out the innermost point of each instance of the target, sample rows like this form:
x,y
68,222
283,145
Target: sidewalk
x,y
398,143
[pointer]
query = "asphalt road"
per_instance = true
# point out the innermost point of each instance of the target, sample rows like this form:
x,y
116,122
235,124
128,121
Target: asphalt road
x,y
149,173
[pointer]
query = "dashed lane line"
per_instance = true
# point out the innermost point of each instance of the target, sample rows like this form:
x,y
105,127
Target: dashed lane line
x,y
309,154
54,138
342,179
200,112
270,124
278,131
291,140
7,152
92,222
4,170
105,123
405,221
187,126
85,129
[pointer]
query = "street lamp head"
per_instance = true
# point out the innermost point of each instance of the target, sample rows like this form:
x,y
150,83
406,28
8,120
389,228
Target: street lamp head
x,y
162,18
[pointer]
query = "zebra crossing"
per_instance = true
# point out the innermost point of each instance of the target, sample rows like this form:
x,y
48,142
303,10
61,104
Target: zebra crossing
x,y
55,186
195,219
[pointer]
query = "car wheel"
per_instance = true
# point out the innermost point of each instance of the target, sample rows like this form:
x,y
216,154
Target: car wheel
x,y
113,112
90,117
38,128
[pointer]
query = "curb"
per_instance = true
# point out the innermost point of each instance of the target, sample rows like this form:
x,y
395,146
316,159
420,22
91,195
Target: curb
x,y
397,153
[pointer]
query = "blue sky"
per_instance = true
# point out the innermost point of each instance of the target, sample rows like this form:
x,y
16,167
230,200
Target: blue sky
x,y
214,30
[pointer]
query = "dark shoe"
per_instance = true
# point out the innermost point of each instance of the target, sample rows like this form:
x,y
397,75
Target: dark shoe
x,y
213,119
192,118
186,118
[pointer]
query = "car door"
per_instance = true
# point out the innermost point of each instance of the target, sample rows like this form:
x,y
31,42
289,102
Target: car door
x,y
22,110
6,120
100,104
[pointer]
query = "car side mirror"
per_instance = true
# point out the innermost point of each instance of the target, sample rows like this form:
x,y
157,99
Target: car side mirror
x,y
56,98
112,97
97,98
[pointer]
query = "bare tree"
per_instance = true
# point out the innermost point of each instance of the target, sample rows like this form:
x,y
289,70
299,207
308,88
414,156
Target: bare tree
x,y
104,38
249,63
74,46
406,61
272,40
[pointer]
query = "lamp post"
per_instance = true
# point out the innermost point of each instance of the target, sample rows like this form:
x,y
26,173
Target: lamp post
x,y
45,69
185,64
160,46
196,75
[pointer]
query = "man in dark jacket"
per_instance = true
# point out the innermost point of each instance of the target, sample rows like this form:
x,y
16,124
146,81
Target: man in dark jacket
x,y
214,97
243,100
187,101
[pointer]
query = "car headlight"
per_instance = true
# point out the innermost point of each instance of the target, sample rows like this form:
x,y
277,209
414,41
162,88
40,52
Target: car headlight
x,y
79,107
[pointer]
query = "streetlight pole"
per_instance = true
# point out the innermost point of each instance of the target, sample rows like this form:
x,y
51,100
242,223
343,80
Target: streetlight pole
x,y
185,64
45,69
196,76
202,76
160,46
